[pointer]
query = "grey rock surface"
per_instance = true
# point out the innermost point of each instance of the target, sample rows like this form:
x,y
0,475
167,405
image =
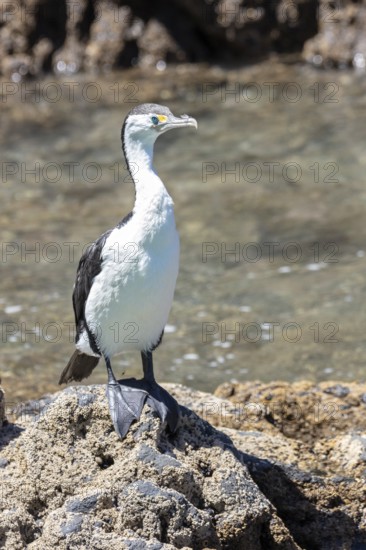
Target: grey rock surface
x,y
68,481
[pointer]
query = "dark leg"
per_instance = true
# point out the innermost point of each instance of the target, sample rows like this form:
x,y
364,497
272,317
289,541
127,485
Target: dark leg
x,y
159,399
147,365
124,407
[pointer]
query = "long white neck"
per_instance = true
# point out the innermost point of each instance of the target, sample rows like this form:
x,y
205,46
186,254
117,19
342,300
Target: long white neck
x,y
153,207
150,190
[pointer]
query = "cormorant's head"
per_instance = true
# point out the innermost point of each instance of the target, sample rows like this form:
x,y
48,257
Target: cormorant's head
x,y
148,121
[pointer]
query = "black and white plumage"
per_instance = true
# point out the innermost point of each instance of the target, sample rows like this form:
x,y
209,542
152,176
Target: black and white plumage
x,y
126,279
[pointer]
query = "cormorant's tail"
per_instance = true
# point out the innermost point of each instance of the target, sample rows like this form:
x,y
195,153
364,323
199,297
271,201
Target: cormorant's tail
x,y
79,366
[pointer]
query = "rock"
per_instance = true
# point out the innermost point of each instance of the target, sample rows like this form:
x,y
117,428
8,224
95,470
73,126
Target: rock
x,y
157,45
341,40
108,37
338,390
311,442
68,481
301,410
250,30
101,35
349,453
2,408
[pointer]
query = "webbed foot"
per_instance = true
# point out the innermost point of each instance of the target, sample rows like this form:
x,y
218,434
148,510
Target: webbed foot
x,y
125,406
127,398
137,392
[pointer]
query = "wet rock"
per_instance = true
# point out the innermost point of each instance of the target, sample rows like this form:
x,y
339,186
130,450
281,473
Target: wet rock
x,y
100,35
30,32
341,40
250,30
108,37
157,45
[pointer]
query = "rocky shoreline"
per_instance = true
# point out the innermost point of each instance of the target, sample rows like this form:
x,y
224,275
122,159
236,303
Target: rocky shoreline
x,y
255,466
42,36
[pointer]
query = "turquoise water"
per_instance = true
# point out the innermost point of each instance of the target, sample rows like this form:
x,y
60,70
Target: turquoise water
x,y
270,204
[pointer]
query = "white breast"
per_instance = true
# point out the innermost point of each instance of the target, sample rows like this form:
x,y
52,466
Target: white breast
x,y
130,300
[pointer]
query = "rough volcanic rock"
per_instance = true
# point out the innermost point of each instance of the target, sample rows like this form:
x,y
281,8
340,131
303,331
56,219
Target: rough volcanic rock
x,y
40,35
303,410
67,481
316,434
304,445
341,40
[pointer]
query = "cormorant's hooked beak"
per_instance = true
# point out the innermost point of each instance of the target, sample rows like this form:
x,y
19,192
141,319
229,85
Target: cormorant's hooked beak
x,y
178,122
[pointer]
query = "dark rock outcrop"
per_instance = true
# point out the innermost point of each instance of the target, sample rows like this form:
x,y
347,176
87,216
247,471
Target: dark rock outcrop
x,y
66,37
99,35
67,481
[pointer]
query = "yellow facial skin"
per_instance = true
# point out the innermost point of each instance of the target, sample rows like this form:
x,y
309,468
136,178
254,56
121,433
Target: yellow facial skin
x,y
162,118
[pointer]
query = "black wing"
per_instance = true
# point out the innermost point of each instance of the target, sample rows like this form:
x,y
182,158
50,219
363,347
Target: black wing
x,y
89,267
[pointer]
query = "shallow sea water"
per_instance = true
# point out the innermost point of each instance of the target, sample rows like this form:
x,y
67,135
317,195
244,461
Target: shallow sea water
x,y
270,202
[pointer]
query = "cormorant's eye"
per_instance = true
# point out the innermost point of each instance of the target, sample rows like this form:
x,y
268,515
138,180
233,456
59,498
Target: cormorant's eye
x,y
155,120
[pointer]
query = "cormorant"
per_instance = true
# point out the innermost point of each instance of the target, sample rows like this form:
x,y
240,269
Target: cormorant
x,y
125,280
